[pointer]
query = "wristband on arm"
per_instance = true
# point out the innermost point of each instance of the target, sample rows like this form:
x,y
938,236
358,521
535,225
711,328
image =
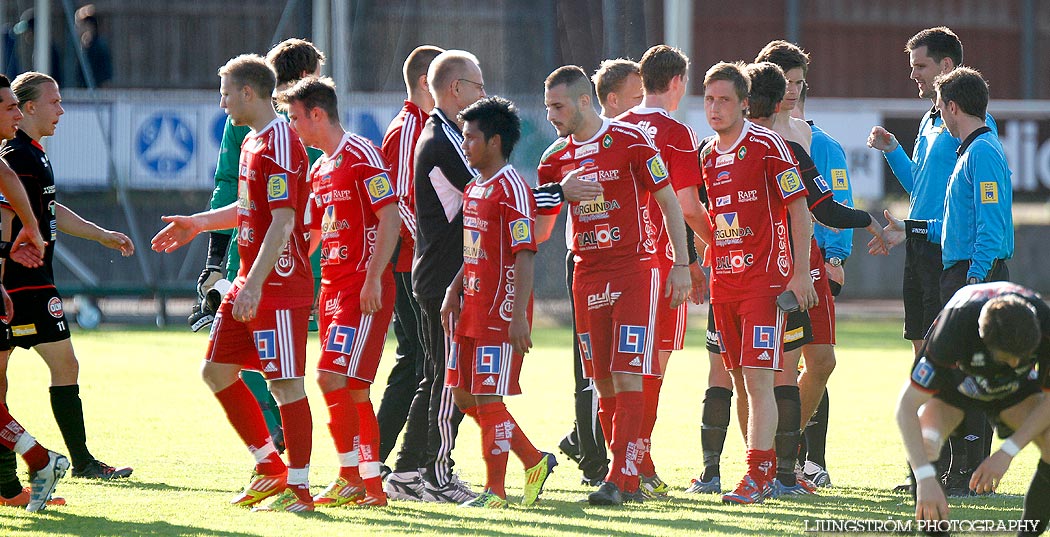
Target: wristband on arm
x,y
916,229
218,244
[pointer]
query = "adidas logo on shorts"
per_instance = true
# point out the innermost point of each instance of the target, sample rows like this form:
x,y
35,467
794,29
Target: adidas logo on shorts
x,y
490,381
270,368
340,361
637,362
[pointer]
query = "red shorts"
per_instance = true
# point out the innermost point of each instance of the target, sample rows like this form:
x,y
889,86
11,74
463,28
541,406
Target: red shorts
x,y
483,367
351,342
751,333
670,322
274,342
822,317
616,322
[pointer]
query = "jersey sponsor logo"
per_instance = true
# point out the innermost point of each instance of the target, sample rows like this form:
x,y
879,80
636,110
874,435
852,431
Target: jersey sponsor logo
x,y
244,203
607,141
379,188
736,262
923,373
506,309
586,150
822,185
839,179
471,283
476,192
765,337
333,253
725,160
488,360
285,263
558,145
789,181
340,339
23,330
472,251
714,339
342,195
783,261
608,175
596,209
746,197
742,153
657,169
54,307
585,345
989,192
728,230
331,305
475,223
632,339
245,235
520,231
722,178
330,224
277,187
608,297
50,189
722,201
763,143
793,335
648,128
266,344
602,236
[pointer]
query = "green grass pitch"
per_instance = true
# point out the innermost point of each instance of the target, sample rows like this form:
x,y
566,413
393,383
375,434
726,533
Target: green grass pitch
x,y
147,407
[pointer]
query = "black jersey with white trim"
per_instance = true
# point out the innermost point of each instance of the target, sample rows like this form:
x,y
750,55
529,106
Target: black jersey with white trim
x,y
27,158
955,357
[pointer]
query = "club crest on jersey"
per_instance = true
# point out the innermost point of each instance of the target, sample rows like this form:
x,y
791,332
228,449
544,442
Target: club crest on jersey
x,y
989,192
340,339
488,360
789,181
379,187
607,141
520,231
277,187
632,339
765,337
742,153
54,307
266,344
585,346
839,179
725,160
657,169
923,373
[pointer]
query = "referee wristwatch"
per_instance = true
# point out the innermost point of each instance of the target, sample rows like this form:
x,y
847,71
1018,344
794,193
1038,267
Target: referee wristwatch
x,y
835,261
972,280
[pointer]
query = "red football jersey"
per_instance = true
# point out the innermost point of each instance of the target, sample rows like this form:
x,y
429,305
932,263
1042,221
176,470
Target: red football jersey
x,y
749,186
498,217
273,176
613,230
348,187
399,147
678,146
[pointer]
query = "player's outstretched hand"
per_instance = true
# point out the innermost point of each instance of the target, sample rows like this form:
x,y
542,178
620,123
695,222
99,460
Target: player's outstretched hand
x,y
987,476
877,245
371,297
178,233
679,285
246,303
29,236
699,279
930,503
9,307
882,139
118,241
576,189
892,235
520,335
802,285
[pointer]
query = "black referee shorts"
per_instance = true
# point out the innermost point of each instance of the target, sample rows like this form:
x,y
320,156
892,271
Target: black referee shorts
x,y
922,287
39,318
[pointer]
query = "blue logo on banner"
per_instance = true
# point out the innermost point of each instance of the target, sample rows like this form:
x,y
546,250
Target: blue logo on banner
x,y
165,143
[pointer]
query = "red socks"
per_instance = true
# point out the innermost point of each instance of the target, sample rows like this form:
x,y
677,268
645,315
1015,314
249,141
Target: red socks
x,y
298,432
369,448
606,410
500,435
343,425
651,392
762,465
242,410
627,423
12,434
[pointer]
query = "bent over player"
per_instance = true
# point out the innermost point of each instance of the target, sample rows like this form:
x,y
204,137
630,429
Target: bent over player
x,y
354,219
988,349
261,323
492,327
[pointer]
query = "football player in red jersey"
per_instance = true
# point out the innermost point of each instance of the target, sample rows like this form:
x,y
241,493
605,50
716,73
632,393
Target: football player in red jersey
x,y
261,323
354,220
616,276
664,72
492,328
748,170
